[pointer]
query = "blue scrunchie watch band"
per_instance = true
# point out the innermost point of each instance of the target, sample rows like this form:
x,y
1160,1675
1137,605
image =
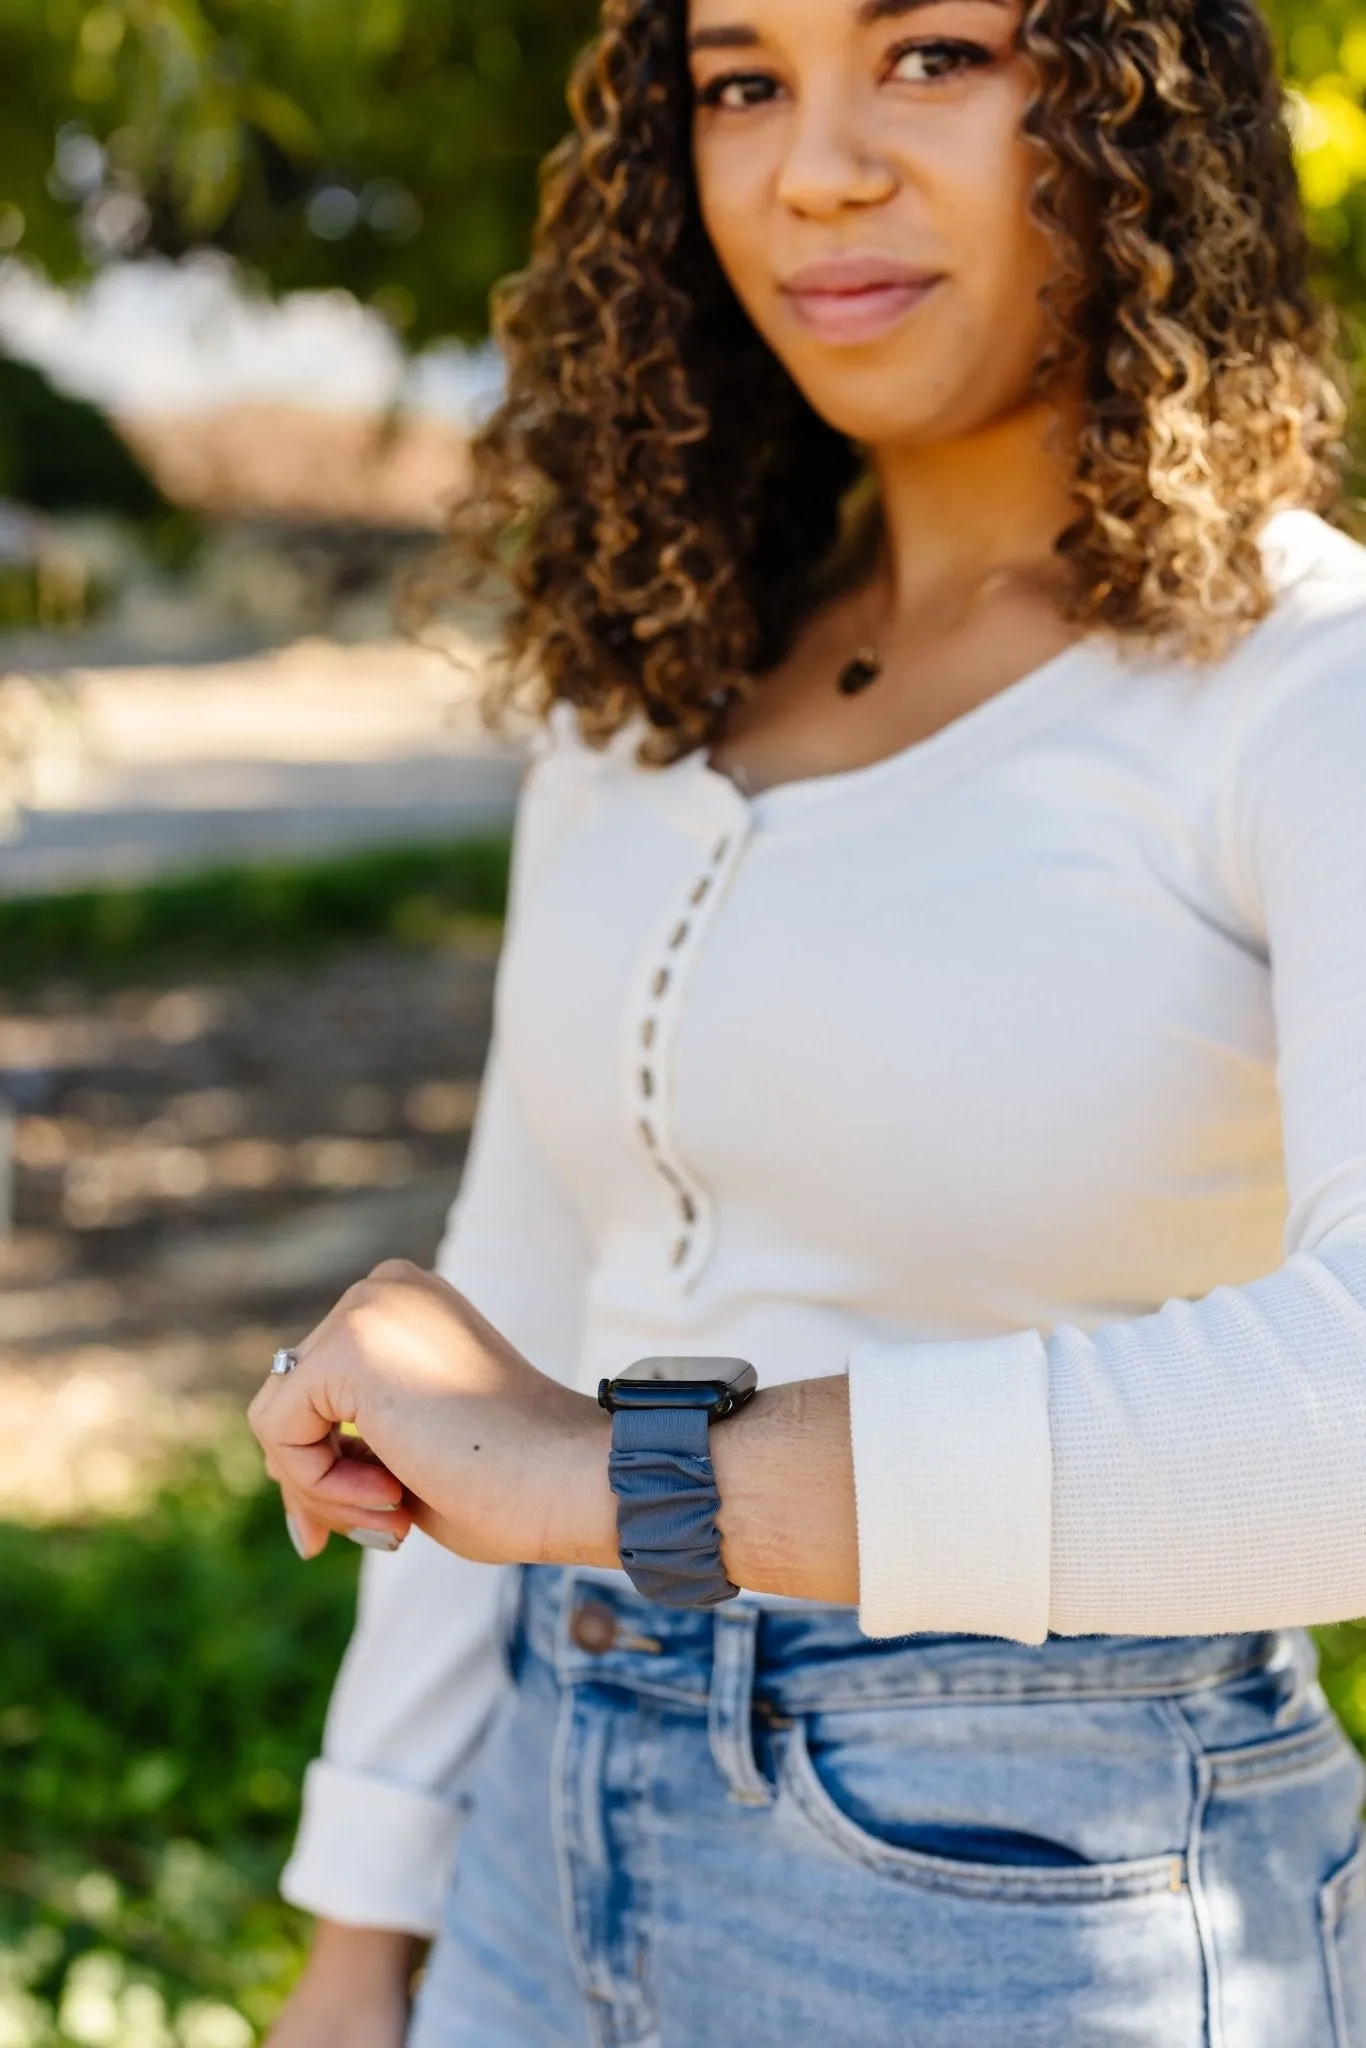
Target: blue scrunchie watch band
x,y
661,1473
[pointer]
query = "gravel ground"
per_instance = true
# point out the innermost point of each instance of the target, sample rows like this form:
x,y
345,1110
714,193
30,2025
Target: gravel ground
x,y
200,1168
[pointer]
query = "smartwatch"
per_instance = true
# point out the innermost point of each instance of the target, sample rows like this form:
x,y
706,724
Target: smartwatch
x,y
661,1473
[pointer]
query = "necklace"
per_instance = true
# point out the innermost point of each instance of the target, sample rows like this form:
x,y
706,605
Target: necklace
x,y
856,675
866,666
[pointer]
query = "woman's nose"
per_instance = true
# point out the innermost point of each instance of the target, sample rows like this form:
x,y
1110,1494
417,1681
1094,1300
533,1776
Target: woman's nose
x,y
831,165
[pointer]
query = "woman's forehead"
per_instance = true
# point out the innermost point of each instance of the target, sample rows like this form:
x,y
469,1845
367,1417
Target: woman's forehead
x,y
744,22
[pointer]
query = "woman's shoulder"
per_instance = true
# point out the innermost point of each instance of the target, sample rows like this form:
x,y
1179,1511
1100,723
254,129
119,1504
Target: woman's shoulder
x,y
1317,575
558,739
1296,691
565,766
567,778
1311,648
1273,731
1313,567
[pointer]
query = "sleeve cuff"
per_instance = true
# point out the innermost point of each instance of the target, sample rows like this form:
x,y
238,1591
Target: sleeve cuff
x,y
953,1473
372,1854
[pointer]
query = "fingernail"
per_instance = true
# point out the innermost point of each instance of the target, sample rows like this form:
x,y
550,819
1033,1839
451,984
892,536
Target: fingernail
x,y
296,1537
374,1539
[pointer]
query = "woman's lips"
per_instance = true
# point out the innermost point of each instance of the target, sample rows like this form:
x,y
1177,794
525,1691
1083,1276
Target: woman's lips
x,y
856,298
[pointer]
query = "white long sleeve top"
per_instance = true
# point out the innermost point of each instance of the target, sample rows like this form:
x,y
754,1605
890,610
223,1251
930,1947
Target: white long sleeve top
x,y
1022,1077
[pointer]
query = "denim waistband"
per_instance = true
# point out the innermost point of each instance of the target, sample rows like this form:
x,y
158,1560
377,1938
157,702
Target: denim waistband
x,y
815,1659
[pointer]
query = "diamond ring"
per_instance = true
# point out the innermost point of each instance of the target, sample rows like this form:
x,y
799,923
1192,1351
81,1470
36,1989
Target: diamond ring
x,y
283,1362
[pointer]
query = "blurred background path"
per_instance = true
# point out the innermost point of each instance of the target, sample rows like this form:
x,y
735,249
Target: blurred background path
x,y
203,1166
207,668
143,770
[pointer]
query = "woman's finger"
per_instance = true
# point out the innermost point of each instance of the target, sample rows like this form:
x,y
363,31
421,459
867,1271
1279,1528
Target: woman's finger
x,y
347,1493
295,1420
369,1489
321,1470
337,1314
305,1531
310,1520
313,1520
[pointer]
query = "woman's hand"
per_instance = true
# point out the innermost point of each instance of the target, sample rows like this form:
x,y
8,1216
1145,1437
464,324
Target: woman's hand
x,y
474,1445
353,1992
501,1464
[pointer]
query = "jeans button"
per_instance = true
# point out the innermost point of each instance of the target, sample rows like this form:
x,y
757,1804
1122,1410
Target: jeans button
x,y
593,1627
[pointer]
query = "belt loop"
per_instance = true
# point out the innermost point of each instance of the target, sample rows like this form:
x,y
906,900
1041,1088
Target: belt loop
x,y
730,1703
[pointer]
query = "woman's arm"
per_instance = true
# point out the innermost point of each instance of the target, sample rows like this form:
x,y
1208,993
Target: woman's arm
x,y
424,1671
1202,1468
503,1464
1199,1469
353,1993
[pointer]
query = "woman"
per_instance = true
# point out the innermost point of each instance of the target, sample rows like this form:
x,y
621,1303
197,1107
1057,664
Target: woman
x,y
936,978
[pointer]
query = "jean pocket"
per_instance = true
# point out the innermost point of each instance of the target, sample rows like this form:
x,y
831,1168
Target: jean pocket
x,y
978,1853
1342,1919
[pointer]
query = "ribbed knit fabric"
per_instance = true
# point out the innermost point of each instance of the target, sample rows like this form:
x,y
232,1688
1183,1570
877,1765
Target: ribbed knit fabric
x,y
972,1535
1022,1076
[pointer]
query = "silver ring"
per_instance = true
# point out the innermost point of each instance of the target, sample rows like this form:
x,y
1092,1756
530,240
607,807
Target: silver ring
x,y
283,1362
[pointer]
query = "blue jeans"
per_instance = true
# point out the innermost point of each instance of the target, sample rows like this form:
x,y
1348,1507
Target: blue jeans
x,y
756,1828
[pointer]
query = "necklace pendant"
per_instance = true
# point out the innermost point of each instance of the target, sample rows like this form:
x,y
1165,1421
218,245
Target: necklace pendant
x,y
856,675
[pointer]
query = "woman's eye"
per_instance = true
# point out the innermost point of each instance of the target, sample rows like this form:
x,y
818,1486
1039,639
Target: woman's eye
x,y
923,63
739,89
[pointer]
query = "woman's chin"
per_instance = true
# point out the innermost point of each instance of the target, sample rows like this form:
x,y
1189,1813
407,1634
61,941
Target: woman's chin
x,y
901,406
876,422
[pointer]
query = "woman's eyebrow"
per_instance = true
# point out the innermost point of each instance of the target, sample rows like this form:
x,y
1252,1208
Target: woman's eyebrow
x,y
873,11
739,36
733,36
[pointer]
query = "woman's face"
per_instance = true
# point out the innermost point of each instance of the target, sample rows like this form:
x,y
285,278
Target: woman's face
x,y
865,182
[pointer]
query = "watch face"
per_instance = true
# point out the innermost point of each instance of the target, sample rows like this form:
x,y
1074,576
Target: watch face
x,y
722,1372
720,1385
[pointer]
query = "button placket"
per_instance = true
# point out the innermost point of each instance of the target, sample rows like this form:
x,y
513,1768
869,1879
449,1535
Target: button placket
x,y
663,979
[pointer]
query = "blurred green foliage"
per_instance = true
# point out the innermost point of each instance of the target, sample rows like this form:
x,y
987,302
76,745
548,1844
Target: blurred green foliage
x,y
1325,56
415,895
390,145
164,1683
59,454
386,145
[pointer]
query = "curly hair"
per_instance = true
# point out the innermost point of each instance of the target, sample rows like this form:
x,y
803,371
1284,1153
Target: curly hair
x,y
667,504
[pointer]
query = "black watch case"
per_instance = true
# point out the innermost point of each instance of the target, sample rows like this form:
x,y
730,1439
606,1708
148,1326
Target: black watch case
x,y
680,1383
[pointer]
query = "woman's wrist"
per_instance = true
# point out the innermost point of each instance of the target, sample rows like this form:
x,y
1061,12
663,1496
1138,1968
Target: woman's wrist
x,y
785,1475
365,1960
574,1502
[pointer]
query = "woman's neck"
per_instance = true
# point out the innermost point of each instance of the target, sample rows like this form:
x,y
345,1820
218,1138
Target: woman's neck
x,y
961,598
963,513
